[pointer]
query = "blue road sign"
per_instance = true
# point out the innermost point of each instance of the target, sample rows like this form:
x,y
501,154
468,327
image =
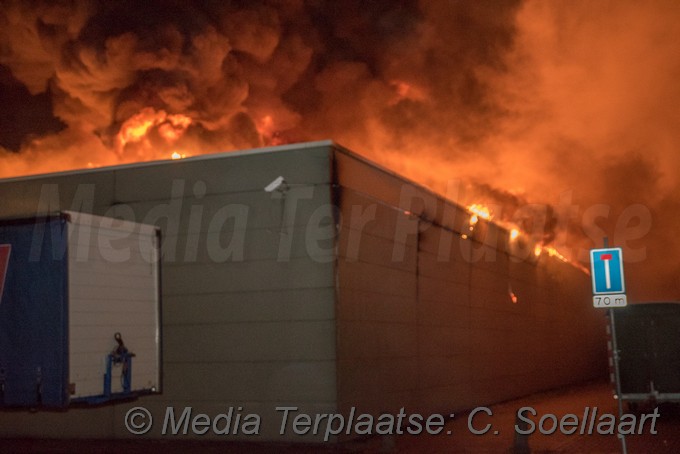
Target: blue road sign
x,y
606,268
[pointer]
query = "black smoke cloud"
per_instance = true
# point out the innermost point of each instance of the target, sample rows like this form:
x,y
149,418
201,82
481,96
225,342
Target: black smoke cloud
x,y
315,69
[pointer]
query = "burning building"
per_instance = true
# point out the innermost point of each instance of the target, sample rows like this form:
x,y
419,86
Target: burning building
x,y
307,276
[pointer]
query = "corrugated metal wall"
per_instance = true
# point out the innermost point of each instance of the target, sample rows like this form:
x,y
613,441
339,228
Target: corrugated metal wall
x,y
425,317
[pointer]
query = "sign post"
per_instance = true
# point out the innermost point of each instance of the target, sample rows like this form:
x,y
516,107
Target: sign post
x,y
5,250
609,291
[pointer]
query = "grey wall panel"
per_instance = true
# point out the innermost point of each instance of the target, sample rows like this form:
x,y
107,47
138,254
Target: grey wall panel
x,y
445,340
370,216
473,344
264,341
238,173
370,339
445,245
33,196
445,292
260,306
261,275
220,212
366,178
253,244
357,245
378,279
454,272
370,307
449,308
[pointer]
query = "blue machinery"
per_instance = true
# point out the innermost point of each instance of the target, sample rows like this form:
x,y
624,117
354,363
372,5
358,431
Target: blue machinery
x,y
120,355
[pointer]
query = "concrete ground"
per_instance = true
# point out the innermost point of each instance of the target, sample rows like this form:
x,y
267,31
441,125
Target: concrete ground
x,y
456,436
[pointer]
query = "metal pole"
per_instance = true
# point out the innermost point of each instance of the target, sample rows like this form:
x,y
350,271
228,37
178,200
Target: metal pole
x,y
617,379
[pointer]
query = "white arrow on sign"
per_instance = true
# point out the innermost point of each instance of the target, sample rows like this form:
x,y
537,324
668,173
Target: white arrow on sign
x,y
608,280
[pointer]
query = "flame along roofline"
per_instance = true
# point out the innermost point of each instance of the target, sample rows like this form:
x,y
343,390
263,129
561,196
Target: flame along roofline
x,y
424,188
405,179
490,220
262,150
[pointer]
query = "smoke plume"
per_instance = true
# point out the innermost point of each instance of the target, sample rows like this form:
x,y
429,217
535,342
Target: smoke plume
x,y
569,104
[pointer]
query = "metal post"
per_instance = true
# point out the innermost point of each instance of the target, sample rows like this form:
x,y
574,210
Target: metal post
x,y
107,376
127,373
617,379
521,444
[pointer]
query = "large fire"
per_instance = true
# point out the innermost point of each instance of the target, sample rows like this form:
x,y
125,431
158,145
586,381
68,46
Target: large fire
x,y
150,134
523,101
479,210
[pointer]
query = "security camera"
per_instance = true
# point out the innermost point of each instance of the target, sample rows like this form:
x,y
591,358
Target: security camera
x,y
279,184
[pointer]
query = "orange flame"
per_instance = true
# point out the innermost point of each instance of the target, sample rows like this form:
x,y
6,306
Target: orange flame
x,y
134,129
552,252
137,130
480,210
